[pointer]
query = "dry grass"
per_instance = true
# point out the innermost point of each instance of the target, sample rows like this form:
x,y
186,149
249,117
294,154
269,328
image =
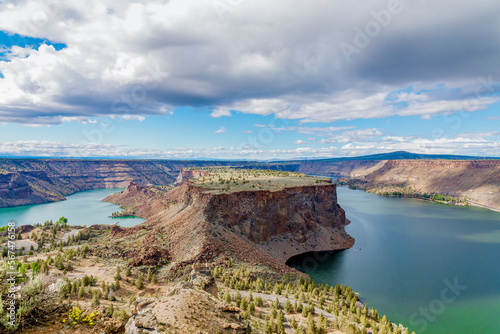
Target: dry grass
x,y
228,180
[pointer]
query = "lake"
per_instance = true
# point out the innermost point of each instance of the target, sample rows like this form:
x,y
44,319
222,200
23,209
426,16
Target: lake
x,y
82,208
434,268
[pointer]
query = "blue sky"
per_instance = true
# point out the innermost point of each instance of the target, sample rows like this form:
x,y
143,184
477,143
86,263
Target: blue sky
x,y
8,40
185,80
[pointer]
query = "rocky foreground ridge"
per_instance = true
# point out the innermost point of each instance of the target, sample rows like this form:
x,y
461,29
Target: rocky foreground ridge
x,y
257,227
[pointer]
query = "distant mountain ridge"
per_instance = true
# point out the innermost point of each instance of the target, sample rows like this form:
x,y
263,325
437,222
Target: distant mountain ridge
x,y
398,155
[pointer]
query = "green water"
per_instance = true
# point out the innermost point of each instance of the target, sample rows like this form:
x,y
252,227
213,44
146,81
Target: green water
x,y
407,254
82,208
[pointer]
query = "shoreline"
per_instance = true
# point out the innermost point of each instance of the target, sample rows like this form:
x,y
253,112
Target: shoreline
x,y
484,206
469,203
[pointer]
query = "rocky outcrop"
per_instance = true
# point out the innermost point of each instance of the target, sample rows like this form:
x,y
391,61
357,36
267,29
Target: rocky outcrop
x,y
258,227
19,229
185,175
186,308
202,279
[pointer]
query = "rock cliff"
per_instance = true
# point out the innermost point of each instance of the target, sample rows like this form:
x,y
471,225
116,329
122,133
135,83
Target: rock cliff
x,y
17,189
34,181
185,175
257,227
476,180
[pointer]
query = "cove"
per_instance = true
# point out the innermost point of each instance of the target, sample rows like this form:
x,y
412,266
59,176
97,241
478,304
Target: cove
x,y
81,208
434,268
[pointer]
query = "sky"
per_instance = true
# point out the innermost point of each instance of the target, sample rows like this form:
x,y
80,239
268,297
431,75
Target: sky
x,y
241,79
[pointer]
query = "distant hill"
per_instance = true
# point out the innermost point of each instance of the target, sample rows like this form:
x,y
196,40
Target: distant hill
x,y
398,155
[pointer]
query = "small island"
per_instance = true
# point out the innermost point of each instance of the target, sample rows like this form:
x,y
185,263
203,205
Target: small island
x,y
127,212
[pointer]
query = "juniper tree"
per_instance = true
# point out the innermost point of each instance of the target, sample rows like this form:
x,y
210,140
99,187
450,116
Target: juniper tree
x,y
81,292
95,299
117,275
288,307
139,284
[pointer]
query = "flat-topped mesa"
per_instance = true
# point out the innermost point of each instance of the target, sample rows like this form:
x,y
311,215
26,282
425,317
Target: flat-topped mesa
x,y
187,174
261,226
285,222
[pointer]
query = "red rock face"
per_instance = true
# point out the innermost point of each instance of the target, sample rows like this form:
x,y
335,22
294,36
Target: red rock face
x,y
185,175
16,189
258,227
263,214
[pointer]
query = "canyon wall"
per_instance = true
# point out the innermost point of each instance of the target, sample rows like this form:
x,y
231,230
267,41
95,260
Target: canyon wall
x,y
34,181
476,180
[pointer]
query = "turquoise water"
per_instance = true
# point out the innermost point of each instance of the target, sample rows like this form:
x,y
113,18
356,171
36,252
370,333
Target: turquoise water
x,y
407,255
82,208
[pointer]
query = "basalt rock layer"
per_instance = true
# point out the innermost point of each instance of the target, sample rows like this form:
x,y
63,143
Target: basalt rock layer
x,y
258,227
35,181
478,181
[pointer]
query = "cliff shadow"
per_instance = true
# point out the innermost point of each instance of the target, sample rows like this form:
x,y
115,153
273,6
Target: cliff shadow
x,y
310,261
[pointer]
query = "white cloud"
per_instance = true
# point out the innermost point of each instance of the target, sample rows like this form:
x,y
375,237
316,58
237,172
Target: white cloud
x,y
220,113
299,142
479,134
352,136
222,129
319,131
125,58
469,146
459,145
133,118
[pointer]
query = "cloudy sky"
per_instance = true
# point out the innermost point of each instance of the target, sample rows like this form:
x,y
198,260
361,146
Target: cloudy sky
x,y
253,79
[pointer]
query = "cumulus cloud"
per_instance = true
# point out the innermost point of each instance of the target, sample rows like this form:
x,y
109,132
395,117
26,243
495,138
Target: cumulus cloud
x,y
137,59
219,113
460,145
222,129
299,142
